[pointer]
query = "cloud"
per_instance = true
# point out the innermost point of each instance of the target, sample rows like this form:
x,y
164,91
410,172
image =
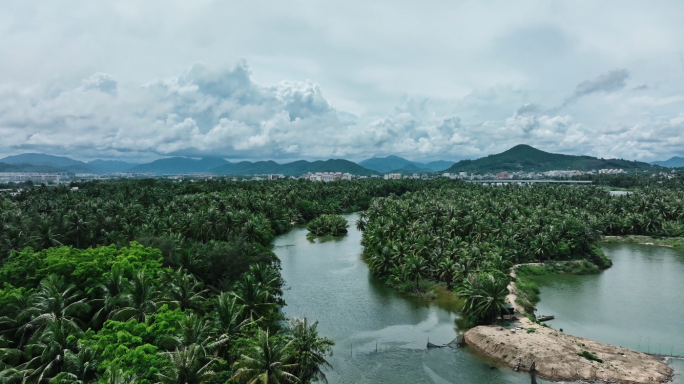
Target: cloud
x,y
222,111
606,83
102,82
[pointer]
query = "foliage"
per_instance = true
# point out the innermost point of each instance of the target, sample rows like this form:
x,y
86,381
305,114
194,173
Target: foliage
x,y
528,159
589,356
461,230
328,225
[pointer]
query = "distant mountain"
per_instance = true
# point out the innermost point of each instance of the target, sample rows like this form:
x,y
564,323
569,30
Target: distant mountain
x,y
42,159
295,168
439,165
392,163
674,162
176,165
110,166
411,168
4,167
528,159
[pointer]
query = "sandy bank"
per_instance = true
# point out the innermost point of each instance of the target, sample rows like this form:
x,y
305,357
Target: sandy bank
x,y
555,355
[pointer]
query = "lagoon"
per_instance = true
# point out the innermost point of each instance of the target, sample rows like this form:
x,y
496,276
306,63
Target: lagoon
x,y
327,280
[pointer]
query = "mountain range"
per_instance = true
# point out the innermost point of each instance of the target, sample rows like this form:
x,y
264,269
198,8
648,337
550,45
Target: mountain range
x,y
519,158
400,165
674,162
524,158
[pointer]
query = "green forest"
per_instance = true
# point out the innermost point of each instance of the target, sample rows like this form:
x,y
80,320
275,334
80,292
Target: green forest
x,y
148,281
155,281
469,236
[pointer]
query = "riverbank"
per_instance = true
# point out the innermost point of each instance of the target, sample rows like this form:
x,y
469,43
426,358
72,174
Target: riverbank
x,y
558,356
555,355
672,242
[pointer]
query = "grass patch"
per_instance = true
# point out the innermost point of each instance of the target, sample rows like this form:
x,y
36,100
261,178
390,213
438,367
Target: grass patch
x,y
531,330
589,356
574,267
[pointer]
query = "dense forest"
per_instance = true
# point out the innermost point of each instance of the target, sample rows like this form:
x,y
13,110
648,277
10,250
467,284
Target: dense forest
x,y
152,281
469,236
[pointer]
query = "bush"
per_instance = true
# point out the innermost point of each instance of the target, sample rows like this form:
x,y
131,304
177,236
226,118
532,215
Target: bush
x,y
589,356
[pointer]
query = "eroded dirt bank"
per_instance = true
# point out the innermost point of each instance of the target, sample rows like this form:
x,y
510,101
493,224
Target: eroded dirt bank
x,y
555,355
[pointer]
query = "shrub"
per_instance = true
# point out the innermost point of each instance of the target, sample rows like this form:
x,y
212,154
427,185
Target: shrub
x,y
589,356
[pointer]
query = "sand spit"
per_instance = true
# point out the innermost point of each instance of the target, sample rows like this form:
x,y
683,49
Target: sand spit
x,y
555,355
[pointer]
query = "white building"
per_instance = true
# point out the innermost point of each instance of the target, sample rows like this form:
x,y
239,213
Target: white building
x,y
393,176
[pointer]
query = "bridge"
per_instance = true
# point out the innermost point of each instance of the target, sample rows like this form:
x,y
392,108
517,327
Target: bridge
x,y
528,182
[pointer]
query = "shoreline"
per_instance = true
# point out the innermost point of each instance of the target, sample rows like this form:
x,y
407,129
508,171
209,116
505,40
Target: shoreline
x,y
555,355
669,242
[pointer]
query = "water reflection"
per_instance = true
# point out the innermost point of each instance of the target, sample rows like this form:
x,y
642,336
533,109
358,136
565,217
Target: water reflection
x,y
380,336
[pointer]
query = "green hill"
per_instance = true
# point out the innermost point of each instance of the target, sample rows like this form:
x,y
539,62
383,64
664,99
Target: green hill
x,y
396,164
4,167
524,158
675,162
177,165
296,168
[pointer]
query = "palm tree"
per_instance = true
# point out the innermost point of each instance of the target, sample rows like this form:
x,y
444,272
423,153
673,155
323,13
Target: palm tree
x,y
190,365
484,297
268,360
46,350
139,299
54,301
80,368
257,300
183,291
45,236
229,322
115,375
194,330
110,291
310,350
77,226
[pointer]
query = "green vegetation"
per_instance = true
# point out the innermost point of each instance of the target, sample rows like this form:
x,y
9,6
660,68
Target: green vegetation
x,y
328,225
469,236
676,242
157,281
528,159
589,356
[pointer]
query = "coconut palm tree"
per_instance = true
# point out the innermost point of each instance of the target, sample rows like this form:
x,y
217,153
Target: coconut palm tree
x,y
310,350
183,291
139,300
257,300
486,297
190,365
270,359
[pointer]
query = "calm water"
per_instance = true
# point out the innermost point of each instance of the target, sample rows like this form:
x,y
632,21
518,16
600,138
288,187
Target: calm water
x,y
638,303
327,281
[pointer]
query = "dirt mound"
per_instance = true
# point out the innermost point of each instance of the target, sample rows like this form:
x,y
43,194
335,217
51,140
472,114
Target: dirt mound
x,y
555,355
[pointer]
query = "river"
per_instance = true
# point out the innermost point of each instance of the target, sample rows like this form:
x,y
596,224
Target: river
x,y
636,304
328,281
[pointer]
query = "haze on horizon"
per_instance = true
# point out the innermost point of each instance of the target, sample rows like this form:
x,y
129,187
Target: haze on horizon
x,y
315,80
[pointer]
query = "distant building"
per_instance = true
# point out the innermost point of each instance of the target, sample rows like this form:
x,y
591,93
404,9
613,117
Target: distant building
x,y
393,176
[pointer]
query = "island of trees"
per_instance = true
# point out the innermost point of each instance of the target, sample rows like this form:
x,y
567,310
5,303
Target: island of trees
x,y
327,225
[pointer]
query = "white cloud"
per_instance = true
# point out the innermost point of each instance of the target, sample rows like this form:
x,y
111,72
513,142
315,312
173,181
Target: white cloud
x,y
340,79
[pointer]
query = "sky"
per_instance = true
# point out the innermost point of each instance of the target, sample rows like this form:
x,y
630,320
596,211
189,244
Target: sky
x,y
256,80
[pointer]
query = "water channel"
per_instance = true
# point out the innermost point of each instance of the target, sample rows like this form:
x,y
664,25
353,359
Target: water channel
x,y
381,335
